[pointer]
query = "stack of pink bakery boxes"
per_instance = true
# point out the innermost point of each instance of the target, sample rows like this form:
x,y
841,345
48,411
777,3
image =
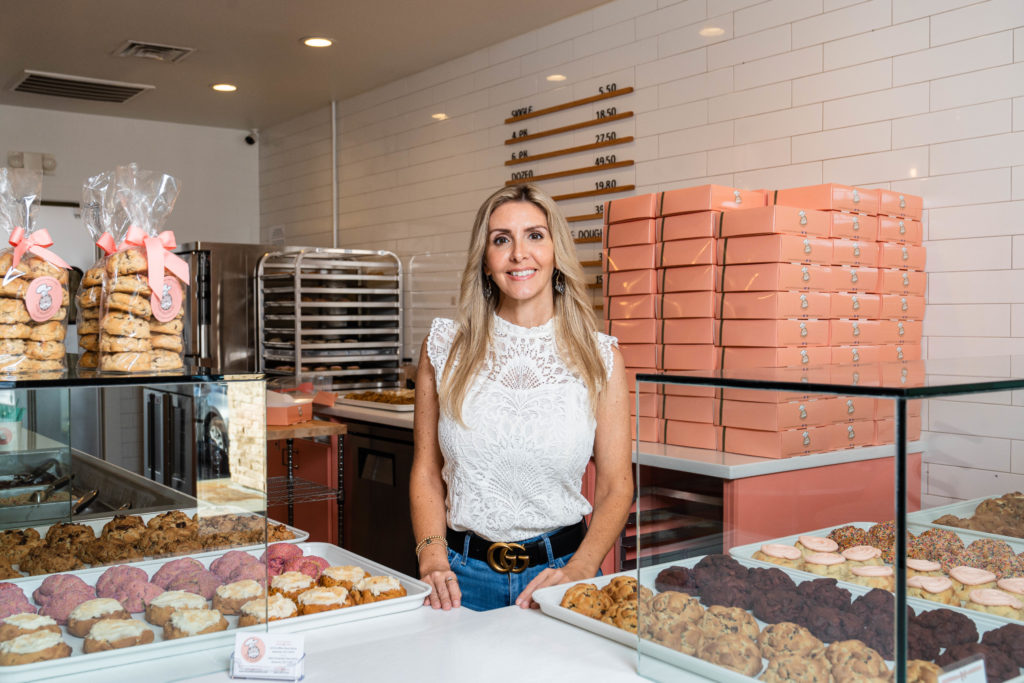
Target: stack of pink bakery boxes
x,y
714,277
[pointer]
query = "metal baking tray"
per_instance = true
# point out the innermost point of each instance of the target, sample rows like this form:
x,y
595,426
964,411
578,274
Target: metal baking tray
x,y
77,664
550,598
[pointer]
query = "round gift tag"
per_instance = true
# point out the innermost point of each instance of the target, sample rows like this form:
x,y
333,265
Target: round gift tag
x,y
167,302
44,298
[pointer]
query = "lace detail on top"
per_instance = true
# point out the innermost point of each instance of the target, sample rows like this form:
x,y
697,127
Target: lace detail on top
x,y
514,471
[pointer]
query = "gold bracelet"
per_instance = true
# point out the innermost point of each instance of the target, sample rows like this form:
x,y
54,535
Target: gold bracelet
x,y
428,541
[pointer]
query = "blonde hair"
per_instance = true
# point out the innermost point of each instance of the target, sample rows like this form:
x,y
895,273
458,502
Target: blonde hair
x,y
575,322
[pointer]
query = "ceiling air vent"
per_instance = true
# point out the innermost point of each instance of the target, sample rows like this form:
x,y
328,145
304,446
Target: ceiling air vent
x,y
161,53
78,87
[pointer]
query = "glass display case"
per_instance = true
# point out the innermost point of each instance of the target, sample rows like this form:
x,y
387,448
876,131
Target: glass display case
x,y
851,548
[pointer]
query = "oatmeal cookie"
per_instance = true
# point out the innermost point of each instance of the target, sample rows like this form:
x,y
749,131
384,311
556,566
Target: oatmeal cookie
x,y
107,551
89,297
164,542
167,342
173,519
89,359
169,327
166,360
125,528
136,304
93,277
13,311
15,544
47,560
15,331
68,534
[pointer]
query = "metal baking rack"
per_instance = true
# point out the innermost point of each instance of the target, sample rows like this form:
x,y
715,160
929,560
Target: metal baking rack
x,y
331,313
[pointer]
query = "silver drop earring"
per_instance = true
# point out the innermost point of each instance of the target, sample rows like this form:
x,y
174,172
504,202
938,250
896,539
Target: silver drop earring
x,y
487,286
559,280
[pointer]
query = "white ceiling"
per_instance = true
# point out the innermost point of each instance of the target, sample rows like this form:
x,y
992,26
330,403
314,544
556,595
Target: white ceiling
x,y
254,44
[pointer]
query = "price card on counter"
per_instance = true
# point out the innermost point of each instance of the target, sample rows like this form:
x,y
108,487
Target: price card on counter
x,y
268,656
970,670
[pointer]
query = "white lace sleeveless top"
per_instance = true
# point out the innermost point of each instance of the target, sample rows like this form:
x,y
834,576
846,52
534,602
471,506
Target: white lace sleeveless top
x,y
515,470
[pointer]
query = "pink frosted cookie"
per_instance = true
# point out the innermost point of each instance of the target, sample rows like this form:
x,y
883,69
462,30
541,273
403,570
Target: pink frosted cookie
x,y
171,570
277,554
13,601
59,607
201,582
231,562
816,544
118,576
128,585
310,565
57,585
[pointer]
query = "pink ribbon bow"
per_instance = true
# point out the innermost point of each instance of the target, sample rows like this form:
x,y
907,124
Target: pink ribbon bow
x,y
106,243
34,243
159,256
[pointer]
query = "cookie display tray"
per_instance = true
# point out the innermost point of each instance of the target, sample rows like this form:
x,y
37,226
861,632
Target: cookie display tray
x,y
964,508
550,599
379,405
79,663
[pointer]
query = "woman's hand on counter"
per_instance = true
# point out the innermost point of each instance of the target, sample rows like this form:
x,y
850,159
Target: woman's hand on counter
x,y
436,573
550,577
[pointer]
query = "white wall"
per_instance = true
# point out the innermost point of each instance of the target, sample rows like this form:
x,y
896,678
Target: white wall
x,y
924,96
218,172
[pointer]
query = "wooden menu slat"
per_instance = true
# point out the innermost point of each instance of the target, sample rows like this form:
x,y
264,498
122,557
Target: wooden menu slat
x,y
571,126
570,150
594,193
596,263
571,171
569,105
586,240
584,217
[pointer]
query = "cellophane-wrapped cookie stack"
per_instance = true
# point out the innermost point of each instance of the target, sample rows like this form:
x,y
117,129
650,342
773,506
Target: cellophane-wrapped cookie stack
x,y
95,214
140,320
34,285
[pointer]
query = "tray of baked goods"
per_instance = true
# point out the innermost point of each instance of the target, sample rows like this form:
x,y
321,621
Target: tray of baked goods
x,y
97,618
955,568
993,517
34,551
727,619
401,400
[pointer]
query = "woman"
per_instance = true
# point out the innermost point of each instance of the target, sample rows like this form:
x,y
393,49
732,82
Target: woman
x,y
512,400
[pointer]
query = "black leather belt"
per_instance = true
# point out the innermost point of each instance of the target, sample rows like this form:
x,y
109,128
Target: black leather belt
x,y
516,557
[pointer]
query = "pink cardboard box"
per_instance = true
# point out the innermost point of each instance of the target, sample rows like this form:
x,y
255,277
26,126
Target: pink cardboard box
x,y
636,331
885,408
687,357
855,434
867,353
688,305
688,278
651,429
631,208
854,253
775,249
693,434
850,408
885,430
686,226
902,307
630,307
775,332
775,417
855,305
902,282
901,256
760,277
630,282
630,232
709,198
907,373
770,220
689,331
900,204
692,409
864,374
639,355
635,257
645,387
755,305
759,396
650,404
854,332
899,230
901,331
686,252
829,197
891,353
740,357
853,226
855,279
780,444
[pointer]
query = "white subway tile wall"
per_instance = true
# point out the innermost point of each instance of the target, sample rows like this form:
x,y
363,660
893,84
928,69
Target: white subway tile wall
x,y
921,96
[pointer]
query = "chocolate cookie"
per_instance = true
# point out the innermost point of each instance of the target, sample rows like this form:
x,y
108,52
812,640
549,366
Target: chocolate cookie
x,y
778,605
950,628
831,624
769,578
1009,640
826,593
998,666
676,579
727,592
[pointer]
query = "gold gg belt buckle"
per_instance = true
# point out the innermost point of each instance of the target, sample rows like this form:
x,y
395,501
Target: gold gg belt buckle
x,y
502,558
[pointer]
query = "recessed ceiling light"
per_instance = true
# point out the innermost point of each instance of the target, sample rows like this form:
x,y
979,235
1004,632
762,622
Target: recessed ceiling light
x,y
556,77
318,42
913,173
440,116
224,87
711,31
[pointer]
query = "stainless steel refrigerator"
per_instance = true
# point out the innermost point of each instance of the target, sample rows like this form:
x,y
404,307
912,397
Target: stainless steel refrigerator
x,y
220,324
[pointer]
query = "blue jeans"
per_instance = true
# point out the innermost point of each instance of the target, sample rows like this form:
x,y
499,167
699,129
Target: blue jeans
x,y
483,588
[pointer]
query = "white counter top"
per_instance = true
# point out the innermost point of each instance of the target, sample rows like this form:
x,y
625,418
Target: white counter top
x,y
429,645
393,418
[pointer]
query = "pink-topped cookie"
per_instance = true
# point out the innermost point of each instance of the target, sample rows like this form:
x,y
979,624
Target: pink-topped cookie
x,y
171,570
825,564
1014,586
873,576
994,601
816,544
780,554
59,584
13,601
927,567
966,579
231,562
201,582
862,554
310,565
934,588
116,576
276,555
